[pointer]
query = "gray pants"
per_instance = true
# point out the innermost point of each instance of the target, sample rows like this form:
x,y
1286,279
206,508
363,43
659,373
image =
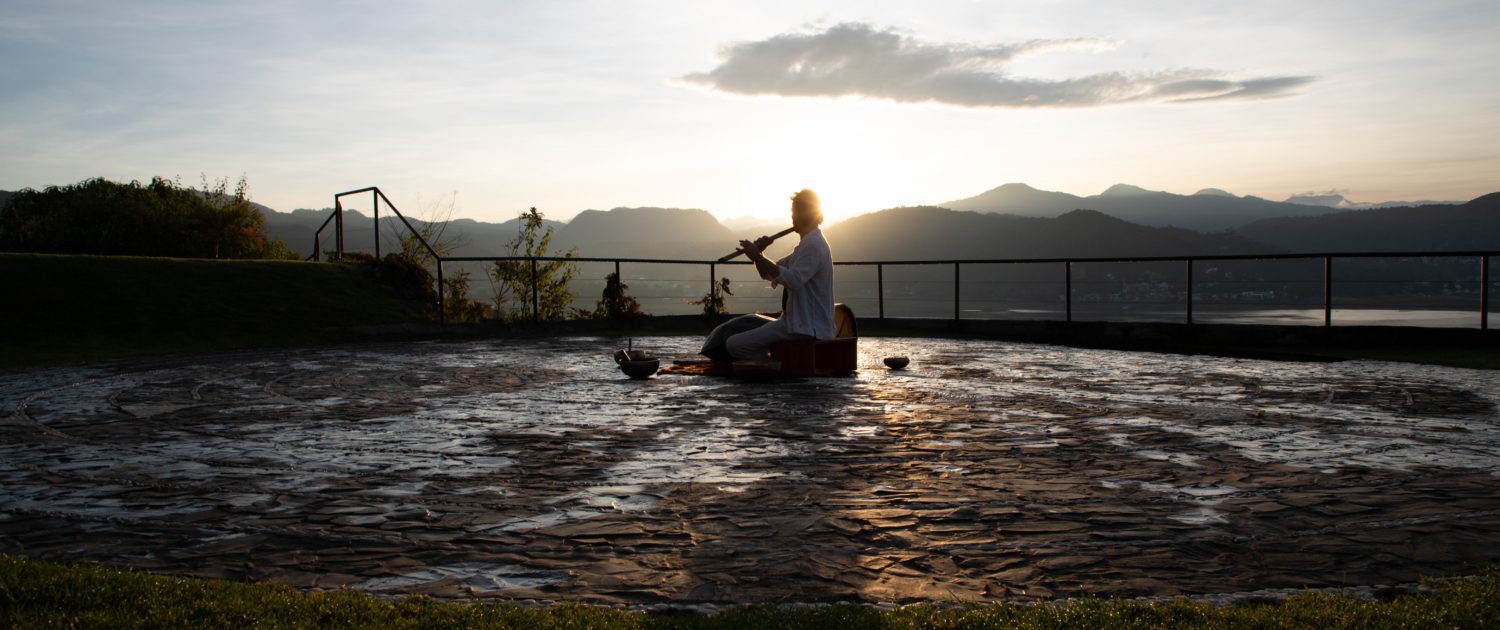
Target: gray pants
x,y
756,344
745,337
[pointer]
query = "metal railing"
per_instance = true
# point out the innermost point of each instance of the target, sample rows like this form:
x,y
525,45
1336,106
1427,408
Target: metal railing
x,y
337,218
1188,266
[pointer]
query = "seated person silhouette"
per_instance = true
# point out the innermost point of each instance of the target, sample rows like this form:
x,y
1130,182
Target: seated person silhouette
x,y
806,276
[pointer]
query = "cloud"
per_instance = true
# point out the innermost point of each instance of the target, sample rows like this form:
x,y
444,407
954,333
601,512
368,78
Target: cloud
x,y
1329,198
857,60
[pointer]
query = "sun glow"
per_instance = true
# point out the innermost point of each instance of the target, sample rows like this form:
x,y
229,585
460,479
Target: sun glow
x,y
840,150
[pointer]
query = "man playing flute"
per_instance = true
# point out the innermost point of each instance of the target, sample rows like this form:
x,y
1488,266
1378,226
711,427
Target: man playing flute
x,y
806,274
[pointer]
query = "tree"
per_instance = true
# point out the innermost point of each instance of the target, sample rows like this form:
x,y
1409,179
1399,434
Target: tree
x,y
227,222
520,284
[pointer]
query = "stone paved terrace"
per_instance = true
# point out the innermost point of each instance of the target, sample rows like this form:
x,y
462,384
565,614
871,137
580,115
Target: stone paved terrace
x,y
533,469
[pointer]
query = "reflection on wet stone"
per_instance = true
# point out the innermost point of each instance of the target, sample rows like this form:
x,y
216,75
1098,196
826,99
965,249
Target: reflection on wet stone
x,y
532,469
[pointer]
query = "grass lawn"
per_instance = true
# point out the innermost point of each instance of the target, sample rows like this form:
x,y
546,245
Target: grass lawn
x,y
36,594
60,309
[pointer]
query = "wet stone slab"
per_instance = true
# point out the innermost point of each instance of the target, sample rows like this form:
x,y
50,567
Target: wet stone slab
x,y
535,470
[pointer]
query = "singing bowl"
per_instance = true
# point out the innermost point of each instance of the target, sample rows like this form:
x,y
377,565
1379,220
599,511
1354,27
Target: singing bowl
x,y
640,368
757,369
622,356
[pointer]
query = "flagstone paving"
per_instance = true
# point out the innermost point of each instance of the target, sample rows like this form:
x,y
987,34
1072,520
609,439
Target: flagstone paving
x,y
533,469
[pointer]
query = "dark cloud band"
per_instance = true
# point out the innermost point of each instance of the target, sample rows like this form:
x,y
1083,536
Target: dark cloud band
x,y
858,60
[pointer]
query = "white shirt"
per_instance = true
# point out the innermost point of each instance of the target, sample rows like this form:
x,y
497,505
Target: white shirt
x,y
807,273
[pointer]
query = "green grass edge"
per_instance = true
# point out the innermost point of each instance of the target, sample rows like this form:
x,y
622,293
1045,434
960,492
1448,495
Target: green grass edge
x,y
42,594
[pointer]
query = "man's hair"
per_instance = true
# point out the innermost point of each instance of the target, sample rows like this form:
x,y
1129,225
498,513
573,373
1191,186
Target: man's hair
x,y
807,201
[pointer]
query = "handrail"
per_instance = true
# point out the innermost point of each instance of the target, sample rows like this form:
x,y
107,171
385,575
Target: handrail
x,y
318,240
414,231
337,215
1007,261
660,261
1067,263
378,195
1142,259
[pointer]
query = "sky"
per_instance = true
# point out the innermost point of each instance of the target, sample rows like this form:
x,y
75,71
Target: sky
x,y
489,108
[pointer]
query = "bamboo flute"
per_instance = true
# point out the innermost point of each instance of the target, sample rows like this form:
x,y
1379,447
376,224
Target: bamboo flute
x,y
731,255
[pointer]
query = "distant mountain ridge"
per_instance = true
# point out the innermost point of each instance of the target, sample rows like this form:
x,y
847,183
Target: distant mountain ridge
x,y
469,237
623,232
1334,199
1122,221
1473,226
933,233
1211,209
637,232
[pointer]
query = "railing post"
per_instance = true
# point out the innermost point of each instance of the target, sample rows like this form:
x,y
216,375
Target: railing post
x,y
713,287
442,295
1484,292
318,247
1327,291
1190,291
536,310
338,220
375,212
1068,291
955,292
880,287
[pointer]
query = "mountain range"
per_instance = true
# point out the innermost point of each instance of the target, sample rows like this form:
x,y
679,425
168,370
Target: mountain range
x,y
1472,226
1011,221
934,233
1210,209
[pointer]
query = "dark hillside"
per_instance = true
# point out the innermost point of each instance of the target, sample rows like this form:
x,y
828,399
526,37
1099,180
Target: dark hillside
x,y
646,232
1210,209
469,237
1472,226
70,308
930,233
627,232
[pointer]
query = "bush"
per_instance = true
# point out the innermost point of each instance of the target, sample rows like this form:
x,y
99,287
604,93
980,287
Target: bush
x,y
409,279
162,218
616,303
457,306
713,301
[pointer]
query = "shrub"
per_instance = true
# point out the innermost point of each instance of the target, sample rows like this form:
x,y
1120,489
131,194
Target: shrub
x,y
162,218
616,303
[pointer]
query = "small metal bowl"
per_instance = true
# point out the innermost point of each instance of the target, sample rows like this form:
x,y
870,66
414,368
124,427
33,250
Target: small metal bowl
x,y
640,368
757,369
896,363
622,356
